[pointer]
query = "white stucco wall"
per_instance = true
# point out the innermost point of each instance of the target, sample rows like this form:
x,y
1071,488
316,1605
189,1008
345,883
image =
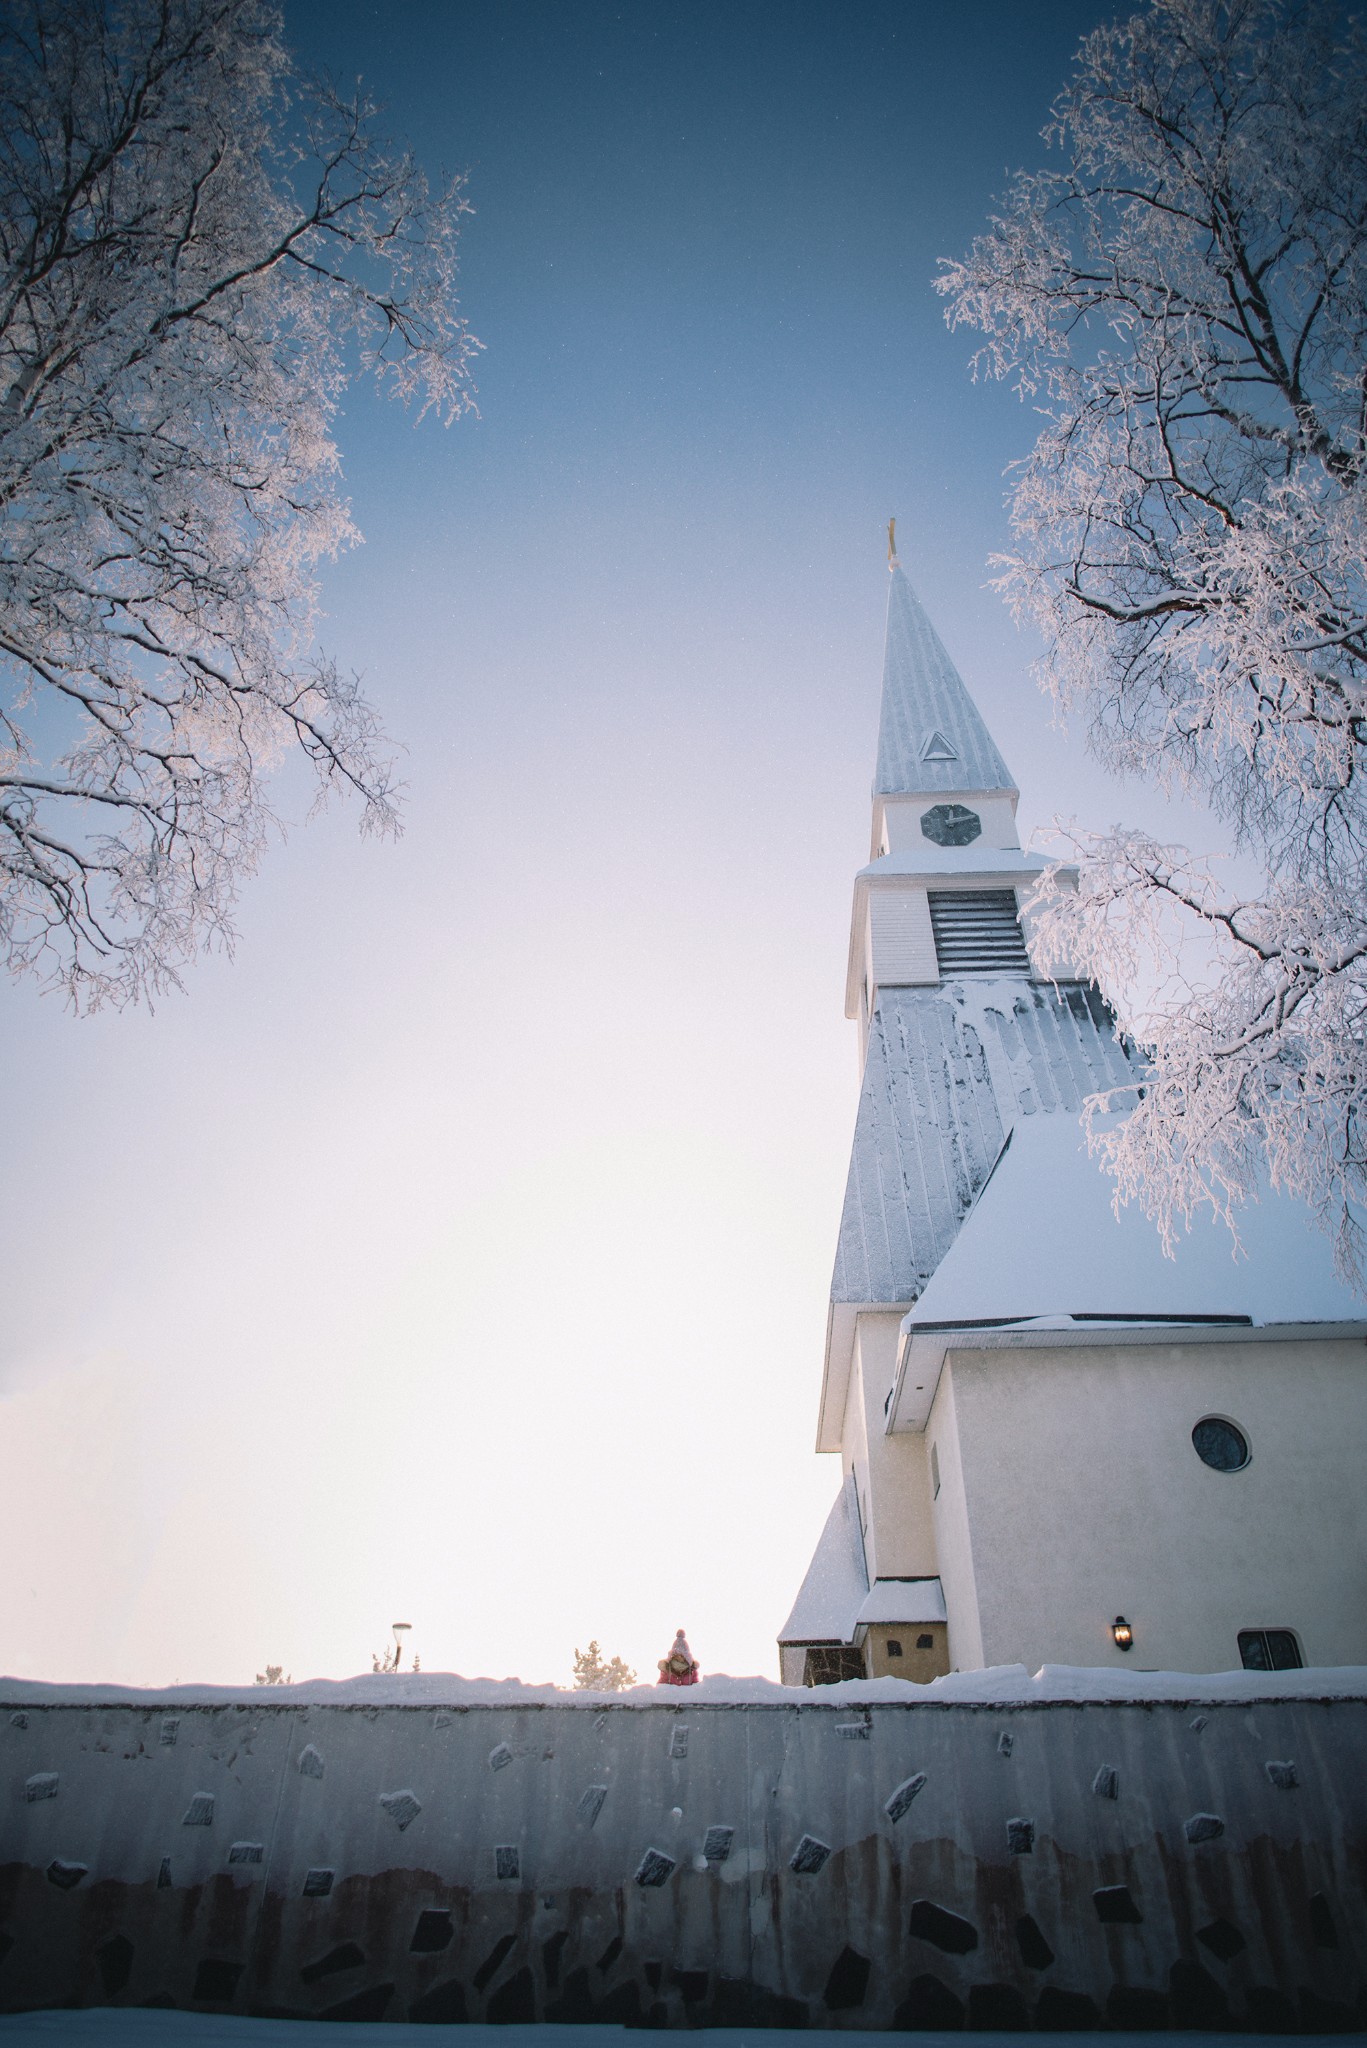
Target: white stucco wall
x,y
953,1536
891,1471
1078,1496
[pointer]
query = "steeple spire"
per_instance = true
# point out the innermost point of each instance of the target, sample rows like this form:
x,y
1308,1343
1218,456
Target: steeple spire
x,y
931,735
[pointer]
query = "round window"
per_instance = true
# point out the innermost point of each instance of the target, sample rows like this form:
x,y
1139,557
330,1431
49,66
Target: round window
x,y
1220,1445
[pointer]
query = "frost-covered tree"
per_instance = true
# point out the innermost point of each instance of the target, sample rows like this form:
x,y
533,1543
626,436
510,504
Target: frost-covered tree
x,y
1185,299
197,248
592,1673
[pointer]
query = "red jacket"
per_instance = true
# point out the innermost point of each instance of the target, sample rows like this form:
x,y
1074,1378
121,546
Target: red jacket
x,y
671,1677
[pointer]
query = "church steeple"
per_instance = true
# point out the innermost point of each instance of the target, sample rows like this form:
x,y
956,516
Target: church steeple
x,y
931,735
938,899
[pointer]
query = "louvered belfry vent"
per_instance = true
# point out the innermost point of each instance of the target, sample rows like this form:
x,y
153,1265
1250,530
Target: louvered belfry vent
x,y
977,931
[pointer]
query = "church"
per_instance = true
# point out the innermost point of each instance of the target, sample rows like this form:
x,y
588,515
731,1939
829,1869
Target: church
x,y
1057,1445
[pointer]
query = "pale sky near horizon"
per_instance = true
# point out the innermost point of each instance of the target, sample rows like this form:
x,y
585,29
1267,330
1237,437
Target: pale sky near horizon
x,y
459,1251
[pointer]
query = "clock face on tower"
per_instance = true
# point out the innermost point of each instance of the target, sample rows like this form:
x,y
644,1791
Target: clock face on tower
x,y
951,825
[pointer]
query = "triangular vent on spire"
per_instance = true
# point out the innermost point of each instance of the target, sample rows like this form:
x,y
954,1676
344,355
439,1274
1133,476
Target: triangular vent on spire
x,y
935,747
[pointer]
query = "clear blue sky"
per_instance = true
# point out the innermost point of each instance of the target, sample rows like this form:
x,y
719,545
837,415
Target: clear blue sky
x,y
459,1252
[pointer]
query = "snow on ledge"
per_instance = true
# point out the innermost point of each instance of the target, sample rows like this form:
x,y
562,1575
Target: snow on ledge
x,y
1000,1685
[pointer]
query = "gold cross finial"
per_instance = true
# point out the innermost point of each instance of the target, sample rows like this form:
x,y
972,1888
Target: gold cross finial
x,y
892,543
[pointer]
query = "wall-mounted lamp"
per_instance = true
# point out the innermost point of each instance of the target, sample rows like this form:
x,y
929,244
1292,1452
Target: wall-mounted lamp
x,y
1123,1633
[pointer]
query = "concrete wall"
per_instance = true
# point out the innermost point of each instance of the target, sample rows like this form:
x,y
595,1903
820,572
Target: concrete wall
x,y
821,1862
1082,1498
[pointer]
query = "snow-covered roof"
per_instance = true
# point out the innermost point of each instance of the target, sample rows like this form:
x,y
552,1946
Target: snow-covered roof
x,y
931,735
904,1600
977,861
1099,1277
1096,1264
949,1070
837,1580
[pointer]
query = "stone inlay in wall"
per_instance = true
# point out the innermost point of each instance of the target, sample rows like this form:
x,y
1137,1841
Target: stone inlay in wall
x,y
900,1800
551,1952
42,1785
655,1868
346,1956
66,1876
716,1844
591,1804
170,1729
929,2006
403,1807
1115,1906
317,1883
1066,2012
246,1852
809,1856
1283,1776
200,1812
499,1756
507,1863
434,1931
942,1929
1223,1940
1204,1827
216,1981
678,1740
1036,1953
494,1961
1106,1783
310,1762
848,1981
1020,1837
442,2006
1322,1924
114,1961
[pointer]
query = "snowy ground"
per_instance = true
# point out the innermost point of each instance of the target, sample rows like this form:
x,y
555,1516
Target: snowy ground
x,y
123,2029
999,1685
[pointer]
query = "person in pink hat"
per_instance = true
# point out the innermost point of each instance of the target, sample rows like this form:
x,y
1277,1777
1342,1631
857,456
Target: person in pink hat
x,y
680,1667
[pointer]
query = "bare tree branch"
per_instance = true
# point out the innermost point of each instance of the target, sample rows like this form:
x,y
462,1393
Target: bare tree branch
x,y
197,249
1188,296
